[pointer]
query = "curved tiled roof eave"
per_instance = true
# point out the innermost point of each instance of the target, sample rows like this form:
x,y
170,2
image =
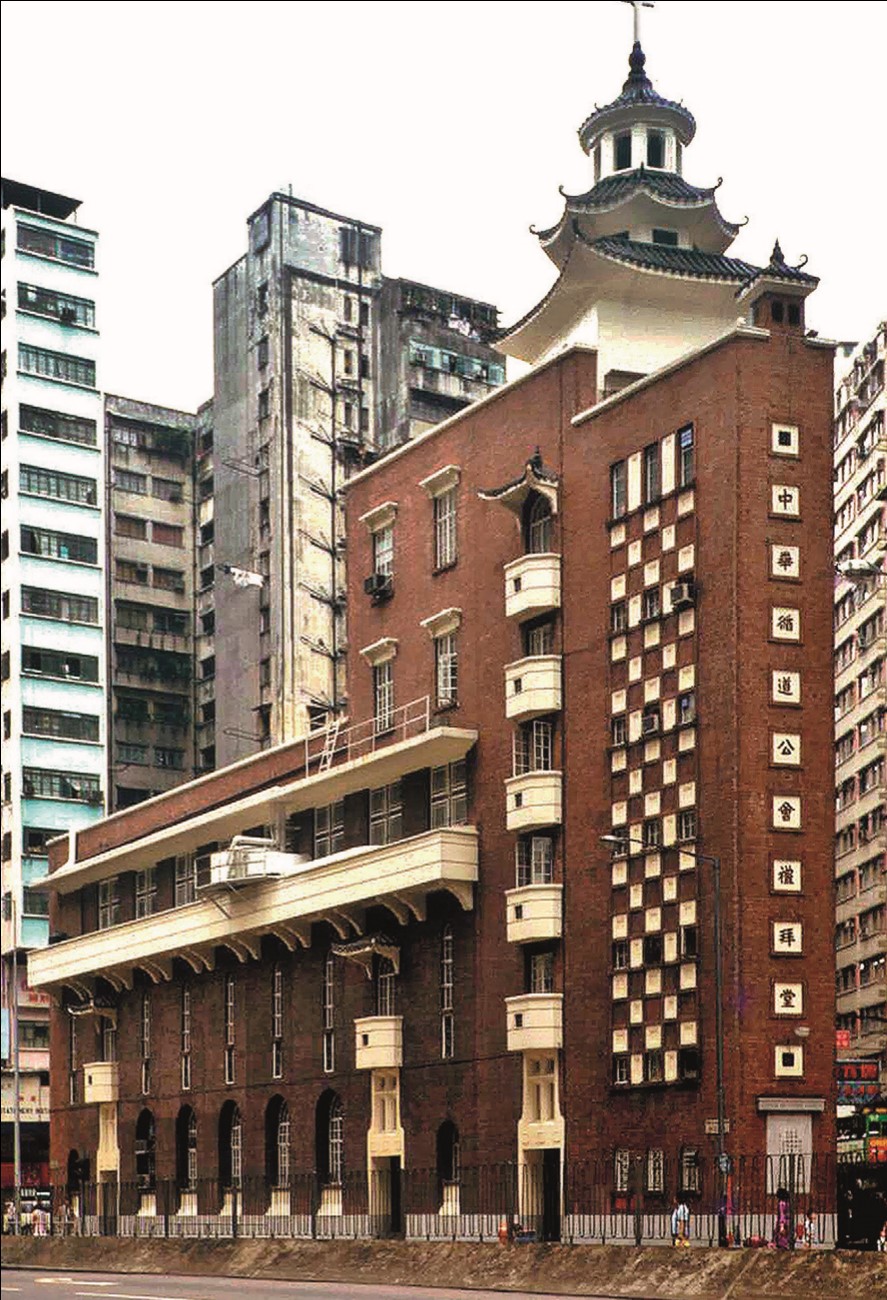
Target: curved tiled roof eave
x,y
710,266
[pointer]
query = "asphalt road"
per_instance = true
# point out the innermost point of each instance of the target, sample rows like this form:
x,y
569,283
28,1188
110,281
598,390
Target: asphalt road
x,y
33,1284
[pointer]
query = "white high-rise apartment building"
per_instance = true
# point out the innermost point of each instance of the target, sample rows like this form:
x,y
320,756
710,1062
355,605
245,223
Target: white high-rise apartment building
x,y
53,584
861,707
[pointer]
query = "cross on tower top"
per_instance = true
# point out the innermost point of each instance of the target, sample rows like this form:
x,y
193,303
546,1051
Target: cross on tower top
x,y
637,6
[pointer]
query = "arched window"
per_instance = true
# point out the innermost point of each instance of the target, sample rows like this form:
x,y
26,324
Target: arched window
x,y
186,1149
329,1138
230,1145
75,1170
537,525
277,1143
145,1150
448,1153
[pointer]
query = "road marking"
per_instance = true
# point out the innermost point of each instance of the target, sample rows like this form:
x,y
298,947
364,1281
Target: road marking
x,y
122,1295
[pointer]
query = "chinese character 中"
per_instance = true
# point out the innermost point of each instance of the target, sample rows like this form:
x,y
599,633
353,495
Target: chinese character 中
x,y
786,498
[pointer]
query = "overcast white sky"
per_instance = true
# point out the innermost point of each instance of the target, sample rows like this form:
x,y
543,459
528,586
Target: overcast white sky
x,y
450,125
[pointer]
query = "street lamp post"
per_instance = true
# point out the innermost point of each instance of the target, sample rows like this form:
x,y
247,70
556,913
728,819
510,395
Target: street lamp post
x,y
625,842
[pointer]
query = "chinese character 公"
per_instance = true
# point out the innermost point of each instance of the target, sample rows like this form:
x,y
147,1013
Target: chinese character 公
x,y
786,747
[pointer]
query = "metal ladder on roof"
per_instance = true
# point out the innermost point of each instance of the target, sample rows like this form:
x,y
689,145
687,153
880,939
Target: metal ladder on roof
x,y
329,746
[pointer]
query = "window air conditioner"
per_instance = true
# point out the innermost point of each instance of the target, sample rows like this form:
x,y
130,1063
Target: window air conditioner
x,y
378,585
682,595
650,723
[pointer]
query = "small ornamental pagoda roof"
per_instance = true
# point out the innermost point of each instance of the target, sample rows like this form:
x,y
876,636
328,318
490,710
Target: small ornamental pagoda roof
x,y
636,92
535,478
363,950
778,270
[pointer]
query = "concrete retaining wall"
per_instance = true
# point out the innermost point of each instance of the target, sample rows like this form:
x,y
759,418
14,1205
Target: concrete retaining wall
x,y
659,1272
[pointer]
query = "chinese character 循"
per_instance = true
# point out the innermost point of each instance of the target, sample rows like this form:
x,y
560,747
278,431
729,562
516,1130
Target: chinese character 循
x,y
786,810
785,560
786,873
787,998
786,622
787,936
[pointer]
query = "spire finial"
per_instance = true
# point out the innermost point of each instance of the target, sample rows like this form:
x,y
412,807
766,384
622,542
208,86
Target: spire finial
x,y
637,6
777,257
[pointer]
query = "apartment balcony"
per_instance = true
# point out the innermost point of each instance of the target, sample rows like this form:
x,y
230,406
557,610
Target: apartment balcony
x,y
535,1022
534,913
100,1082
532,586
378,1043
336,889
533,687
533,800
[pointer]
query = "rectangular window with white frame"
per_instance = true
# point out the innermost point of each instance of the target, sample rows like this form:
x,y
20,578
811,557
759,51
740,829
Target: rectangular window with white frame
x,y
446,670
277,1022
145,1043
534,860
447,1027
328,1009
185,1037
445,552
230,1027
185,879
540,972
686,456
329,829
534,747
383,551
383,695
386,814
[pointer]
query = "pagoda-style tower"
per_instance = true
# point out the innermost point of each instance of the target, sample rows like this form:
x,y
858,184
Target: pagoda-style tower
x,y
643,271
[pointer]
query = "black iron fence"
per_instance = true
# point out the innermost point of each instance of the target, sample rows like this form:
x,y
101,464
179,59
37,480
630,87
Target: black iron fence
x,y
791,1202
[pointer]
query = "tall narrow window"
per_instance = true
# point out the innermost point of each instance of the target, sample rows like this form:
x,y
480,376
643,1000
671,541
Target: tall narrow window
x,y
383,695
686,456
652,475
336,1142
329,829
185,1040
146,892
236,1150
72,1061
655,149
277,1023
446,993
622,150
449,795
283,1147
445,529
386,987
446,670
186,880
109,903
383,551
229,1028
539,526
145,1043
329,1014
386,814
540,974
618,489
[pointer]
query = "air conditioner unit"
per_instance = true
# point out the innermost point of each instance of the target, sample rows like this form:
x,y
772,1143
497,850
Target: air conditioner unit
x,y
682,595
650,723
379,585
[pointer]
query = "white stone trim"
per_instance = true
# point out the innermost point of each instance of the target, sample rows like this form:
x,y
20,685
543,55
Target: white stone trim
x,y
380,651
444,621
441,480
381,516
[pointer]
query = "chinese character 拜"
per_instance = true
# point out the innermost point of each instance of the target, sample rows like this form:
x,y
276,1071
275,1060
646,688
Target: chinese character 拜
x,y
787,936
